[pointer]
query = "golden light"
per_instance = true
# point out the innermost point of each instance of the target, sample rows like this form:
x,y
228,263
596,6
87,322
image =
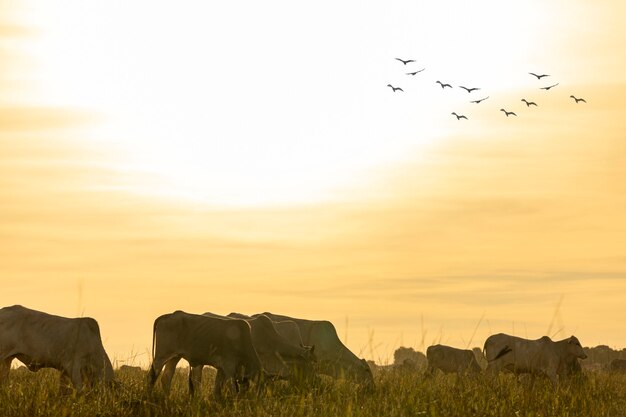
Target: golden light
x,y
272,104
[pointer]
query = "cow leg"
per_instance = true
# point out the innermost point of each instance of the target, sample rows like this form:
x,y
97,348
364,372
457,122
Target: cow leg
x,y
155,370
77,378
218,388
224,383
168,374
5,366
153,374
195,379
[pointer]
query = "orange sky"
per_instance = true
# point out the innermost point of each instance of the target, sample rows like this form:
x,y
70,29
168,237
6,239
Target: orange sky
x,y
497,218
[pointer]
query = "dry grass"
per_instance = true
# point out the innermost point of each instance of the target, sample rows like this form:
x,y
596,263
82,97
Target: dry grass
x,y
396,394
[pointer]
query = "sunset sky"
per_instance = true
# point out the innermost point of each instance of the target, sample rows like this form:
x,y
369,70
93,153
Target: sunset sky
x,y
248,156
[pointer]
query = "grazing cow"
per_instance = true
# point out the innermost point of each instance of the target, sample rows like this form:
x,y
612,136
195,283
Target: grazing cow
x,y
618,365
333,357
225,344
40,340
279,357
451,360
541,356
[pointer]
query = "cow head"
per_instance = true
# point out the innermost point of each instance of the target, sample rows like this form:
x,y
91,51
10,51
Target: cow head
x,y
364,373
574,348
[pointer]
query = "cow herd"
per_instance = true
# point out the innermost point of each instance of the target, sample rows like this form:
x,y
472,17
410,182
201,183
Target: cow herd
x,y
504,352
243,349
260,348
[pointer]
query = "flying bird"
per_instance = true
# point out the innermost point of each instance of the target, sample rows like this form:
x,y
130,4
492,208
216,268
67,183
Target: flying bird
x,y
508,113
549,87
442,84
459,116
578,99
405,61
478,101
469,90
394,88
539,76
416,72
529,103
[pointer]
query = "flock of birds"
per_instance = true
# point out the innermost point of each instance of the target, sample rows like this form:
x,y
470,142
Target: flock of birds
x,y
472,89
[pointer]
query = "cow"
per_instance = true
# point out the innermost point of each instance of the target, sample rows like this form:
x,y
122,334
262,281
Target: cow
x,y
280,358
73,346
451,360
225,344
541,356
618,365
333,357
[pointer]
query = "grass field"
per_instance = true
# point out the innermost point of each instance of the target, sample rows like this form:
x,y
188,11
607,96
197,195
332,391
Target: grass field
x,y
396,394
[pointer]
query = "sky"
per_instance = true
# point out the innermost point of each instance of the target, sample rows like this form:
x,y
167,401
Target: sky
x,y
250,157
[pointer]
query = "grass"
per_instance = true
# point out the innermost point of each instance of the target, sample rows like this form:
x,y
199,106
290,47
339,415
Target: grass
x,y
396,394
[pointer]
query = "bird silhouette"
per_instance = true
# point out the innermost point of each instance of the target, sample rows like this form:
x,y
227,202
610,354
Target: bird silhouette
x,y
459,116
416,72
529,103
394,88
578,99
469,90
549,87
539,76
405,61
508,113
478,101
442,84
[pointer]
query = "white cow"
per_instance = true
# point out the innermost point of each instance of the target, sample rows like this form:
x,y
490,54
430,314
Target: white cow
x,y
223,343
40,340
541,356
333,357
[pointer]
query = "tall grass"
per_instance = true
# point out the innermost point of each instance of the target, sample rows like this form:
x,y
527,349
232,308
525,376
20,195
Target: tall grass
x,y
396,394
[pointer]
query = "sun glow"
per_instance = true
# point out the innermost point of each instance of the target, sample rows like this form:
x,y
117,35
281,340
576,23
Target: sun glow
x,y
260,116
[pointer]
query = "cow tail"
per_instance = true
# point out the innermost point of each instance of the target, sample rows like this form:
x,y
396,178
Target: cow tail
x,y
154,337
506,349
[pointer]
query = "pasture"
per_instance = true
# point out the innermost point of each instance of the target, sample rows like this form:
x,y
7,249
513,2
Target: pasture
x,y
397,393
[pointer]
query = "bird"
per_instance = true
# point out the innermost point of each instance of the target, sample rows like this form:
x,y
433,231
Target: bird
x,y
578,99
469,90
405,61
459,116
529,103
539,76
443,85
549,87
416,72
508,113
394,88
478,101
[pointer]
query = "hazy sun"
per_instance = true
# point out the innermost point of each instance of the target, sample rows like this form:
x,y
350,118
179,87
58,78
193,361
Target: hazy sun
x,y
249,107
